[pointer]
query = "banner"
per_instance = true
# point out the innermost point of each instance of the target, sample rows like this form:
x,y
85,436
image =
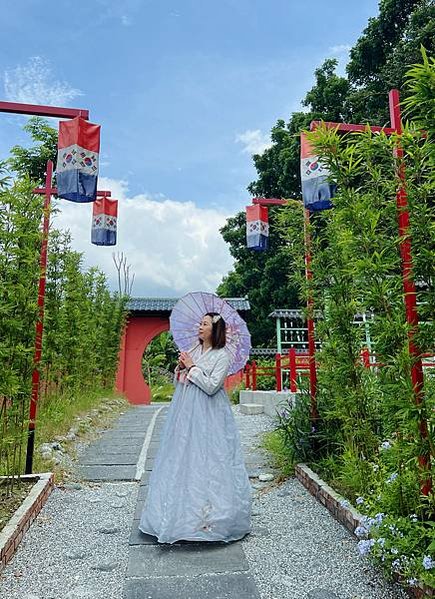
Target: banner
x,y
77,160
317,191
104,222
257,227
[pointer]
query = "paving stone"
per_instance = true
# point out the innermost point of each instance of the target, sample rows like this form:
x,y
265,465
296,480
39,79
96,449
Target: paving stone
x,y
137,537
223,586
107,472
110,459
145,478
105,566
139,509
185,560
108,530
143,492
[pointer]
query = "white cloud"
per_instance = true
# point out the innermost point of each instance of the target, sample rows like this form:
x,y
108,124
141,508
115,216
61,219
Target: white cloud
x,y
173,247
35,83
254,140
340,49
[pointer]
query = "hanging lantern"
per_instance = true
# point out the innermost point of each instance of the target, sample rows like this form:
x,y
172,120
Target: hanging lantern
x,y
77,160
104,219
317,191
257,227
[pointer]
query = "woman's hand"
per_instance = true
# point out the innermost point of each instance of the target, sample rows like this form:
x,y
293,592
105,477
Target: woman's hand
x,y
186,359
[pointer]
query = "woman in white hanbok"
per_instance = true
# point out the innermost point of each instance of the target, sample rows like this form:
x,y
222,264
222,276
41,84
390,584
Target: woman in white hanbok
x,y
199,488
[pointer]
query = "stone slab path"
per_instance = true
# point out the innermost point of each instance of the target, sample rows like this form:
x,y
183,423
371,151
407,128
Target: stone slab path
x,y
188,569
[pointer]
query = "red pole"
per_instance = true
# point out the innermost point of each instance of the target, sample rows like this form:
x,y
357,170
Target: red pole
x,y
254,375
40,321
293,374
410,296
310,318
247,381
366,357
278,372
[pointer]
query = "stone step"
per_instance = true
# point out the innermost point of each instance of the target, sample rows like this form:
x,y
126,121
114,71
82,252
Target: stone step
x,y
251,408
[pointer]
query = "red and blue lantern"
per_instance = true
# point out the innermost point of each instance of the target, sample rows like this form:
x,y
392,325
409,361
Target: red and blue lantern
x,y
257,227
104,221
77,160
317,191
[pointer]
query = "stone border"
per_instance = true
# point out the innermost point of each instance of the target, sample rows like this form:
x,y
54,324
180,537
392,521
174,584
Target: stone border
x,y
13,532
346,514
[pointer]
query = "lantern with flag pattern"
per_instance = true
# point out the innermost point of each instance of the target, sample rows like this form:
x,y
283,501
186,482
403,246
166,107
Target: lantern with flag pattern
x,y
104,221
77,160
257,227
317,191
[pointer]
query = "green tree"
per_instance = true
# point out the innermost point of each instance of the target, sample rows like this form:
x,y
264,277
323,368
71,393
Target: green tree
x,y
31,162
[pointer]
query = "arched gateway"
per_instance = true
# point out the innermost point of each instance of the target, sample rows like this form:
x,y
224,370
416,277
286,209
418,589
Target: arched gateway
x,y
147,318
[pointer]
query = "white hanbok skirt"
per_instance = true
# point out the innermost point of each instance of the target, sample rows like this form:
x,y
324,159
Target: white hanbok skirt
x,y
199,488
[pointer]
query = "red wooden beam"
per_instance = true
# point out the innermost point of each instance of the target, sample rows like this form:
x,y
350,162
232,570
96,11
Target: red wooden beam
x,y
350,128
269,201
38,110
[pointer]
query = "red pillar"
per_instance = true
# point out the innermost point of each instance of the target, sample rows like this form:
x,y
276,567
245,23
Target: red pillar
x,y
310,318
254,375
293,373
410,296
278,372
40,321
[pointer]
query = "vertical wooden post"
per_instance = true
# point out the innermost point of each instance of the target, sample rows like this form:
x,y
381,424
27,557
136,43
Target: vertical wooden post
x,y
254,375
410,294
293,372
278,372
40,321
310,318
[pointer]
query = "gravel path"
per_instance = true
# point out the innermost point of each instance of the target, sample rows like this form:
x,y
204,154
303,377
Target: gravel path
x,y
78,545
297,549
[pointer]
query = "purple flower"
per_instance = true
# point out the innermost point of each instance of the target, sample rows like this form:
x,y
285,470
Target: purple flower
x,y
391,478
368,522
396,565
428,562
379,517
359,500
381,541
360,531
412,582
386,445
364,547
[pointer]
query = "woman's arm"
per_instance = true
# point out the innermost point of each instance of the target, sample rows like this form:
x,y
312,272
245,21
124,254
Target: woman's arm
x,y
210,384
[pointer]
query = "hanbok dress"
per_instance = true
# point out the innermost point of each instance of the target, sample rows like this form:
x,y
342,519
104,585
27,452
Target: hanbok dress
x,y
199,488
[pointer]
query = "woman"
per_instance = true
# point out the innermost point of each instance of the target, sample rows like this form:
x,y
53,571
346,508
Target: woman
x,y
199,489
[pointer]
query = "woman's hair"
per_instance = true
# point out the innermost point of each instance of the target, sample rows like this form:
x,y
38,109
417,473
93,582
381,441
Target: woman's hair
x,y
218,337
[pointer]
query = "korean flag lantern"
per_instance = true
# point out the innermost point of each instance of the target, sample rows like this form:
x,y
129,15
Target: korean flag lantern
x,y
77,160
104,220
257,227
317,191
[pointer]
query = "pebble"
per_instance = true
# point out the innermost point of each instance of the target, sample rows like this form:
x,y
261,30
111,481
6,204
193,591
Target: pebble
x,y
265,477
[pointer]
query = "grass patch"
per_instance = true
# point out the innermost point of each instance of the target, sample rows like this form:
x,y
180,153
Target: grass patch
x,y
11,499
86,412
273,441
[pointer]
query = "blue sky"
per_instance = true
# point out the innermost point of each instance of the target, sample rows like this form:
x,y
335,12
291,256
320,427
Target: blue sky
x,y
185,92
